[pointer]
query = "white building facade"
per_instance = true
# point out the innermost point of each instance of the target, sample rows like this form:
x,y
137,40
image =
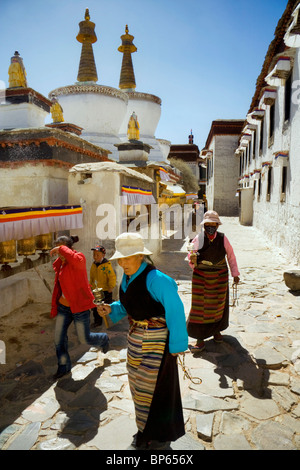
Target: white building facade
x,y
269,148
222,166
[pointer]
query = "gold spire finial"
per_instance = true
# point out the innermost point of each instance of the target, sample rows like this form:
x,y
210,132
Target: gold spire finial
x,y
127,78
87,68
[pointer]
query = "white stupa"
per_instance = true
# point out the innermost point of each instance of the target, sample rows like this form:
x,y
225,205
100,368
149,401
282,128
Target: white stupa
x,y
146,106
104,112
98,109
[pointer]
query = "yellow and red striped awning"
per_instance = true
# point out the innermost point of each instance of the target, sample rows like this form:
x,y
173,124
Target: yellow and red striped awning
x,y
132,195
25,222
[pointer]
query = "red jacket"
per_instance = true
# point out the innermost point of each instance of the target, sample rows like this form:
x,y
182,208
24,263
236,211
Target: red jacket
x,y
71,279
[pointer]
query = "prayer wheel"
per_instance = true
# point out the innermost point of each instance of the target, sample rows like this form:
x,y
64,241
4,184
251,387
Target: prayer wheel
x,y
8,252
44,242
26,246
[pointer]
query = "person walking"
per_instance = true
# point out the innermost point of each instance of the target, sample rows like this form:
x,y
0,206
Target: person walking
x,y
157,333
102,276
209,314
72,300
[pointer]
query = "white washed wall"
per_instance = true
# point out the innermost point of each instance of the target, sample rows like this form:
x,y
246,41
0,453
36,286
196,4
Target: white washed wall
x,y
222,187
280,221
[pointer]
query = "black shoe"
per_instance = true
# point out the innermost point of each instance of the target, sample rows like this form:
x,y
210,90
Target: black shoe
x,y
137,444
60,374
105,348
159,445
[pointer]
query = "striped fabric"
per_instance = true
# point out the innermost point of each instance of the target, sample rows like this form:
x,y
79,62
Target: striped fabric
x,y
209,289
26,222
132,195
146,347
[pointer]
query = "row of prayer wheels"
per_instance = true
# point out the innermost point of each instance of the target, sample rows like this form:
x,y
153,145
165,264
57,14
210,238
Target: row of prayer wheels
x,y
9,250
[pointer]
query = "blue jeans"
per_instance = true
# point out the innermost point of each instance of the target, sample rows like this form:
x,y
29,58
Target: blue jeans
x,y
82,325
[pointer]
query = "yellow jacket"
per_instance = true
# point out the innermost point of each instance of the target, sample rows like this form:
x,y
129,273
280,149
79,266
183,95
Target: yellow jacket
x,y
103,276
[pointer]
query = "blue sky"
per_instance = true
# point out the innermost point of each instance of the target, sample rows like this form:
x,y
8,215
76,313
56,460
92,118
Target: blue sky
x,y
201,57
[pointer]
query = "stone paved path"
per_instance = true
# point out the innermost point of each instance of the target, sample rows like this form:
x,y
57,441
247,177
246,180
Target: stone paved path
x,y
249,397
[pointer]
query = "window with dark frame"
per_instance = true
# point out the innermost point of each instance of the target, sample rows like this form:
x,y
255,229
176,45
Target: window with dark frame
x,y
254,145
261,142
272,123
269,183
287,98
283,183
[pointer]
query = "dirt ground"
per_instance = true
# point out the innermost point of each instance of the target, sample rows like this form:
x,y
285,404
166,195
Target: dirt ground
x,y
28,334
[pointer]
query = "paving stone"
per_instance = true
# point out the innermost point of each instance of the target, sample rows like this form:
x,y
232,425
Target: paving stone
x,y
117,369
91,398
273,436
283,397
187,442
204,423
233,442
87,357
7,433
27,438
296,411
109,384
259,408
279,378
80,373
116,435
295,385
267,357
79,423
124,405
208,404
232,423
56,443
41,410
212,383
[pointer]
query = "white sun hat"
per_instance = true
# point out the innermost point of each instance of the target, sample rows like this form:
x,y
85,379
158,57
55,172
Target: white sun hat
x,y
211,216
129,244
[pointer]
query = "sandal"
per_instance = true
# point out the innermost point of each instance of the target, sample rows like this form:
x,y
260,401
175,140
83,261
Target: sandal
x,y
218,338
198,347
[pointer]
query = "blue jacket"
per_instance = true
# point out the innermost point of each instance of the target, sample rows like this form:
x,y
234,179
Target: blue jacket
x,y
164,290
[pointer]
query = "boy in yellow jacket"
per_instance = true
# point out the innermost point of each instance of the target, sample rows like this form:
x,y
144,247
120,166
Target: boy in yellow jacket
x,y
102,276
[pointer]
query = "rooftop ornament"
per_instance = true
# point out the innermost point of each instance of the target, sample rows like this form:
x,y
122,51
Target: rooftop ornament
x,y
17,72
127,78
87,68
56,110
133,132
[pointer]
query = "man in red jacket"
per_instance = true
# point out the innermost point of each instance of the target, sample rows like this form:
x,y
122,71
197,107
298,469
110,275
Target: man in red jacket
x,y
72,300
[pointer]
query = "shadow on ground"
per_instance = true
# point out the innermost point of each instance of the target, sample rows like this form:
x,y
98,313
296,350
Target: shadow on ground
x,y
233,360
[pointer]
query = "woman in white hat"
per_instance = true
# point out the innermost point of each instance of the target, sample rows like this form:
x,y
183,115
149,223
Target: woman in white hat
x,y
209,313
156,335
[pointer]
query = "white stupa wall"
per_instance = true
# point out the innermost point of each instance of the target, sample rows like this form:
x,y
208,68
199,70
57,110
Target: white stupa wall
x,y
148,110
99,110
21,115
